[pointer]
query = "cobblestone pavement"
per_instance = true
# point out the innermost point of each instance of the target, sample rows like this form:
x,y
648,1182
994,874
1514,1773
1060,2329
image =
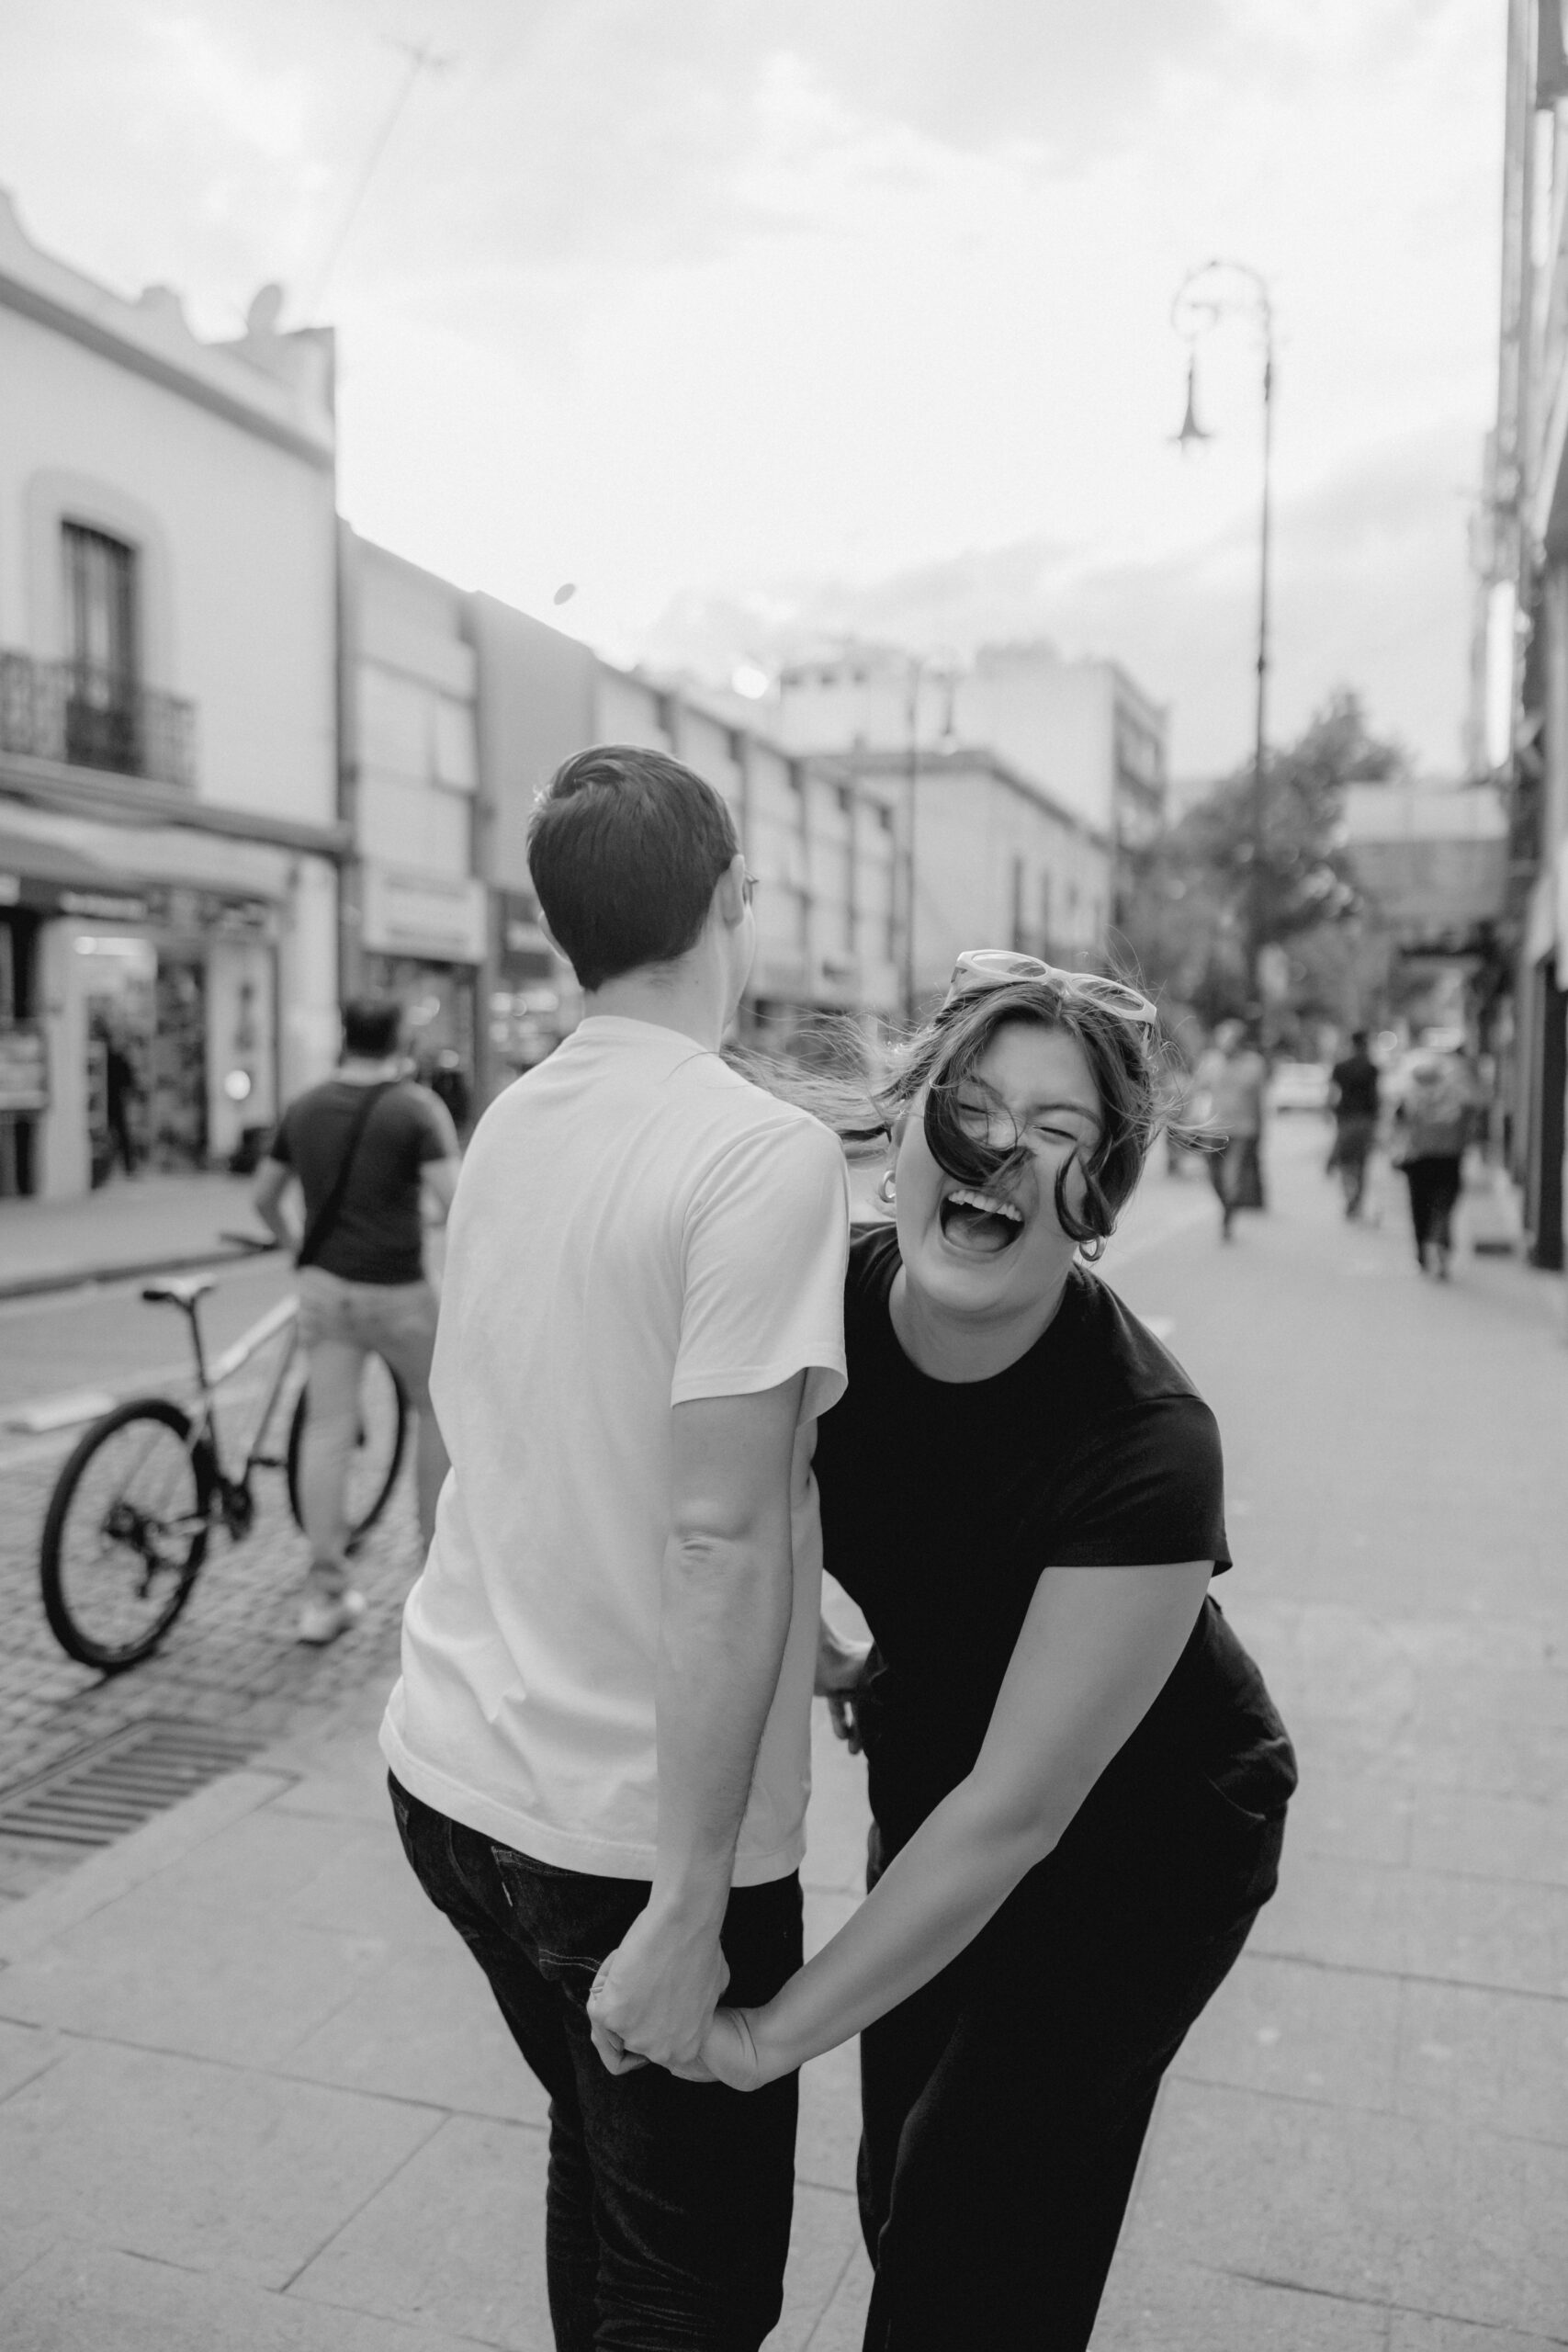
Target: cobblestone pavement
x,y
231,1659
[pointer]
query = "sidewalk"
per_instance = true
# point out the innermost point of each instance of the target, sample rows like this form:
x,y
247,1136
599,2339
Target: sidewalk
x,y
252,2094
142,1225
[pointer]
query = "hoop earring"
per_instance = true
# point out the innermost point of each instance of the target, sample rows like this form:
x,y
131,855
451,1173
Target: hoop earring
x,y
888,1189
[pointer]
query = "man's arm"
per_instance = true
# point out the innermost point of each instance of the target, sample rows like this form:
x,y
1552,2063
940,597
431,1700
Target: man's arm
x,y
439,1179
726,1597
272,1180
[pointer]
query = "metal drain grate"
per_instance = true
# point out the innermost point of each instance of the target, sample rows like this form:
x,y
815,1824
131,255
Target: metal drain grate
x,y
100,1791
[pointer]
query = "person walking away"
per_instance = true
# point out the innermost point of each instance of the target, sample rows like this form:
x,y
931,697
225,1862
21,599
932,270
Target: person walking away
x,y
122,1090
364,1147
1356,1102
1432,1125
1231,1078
600,1742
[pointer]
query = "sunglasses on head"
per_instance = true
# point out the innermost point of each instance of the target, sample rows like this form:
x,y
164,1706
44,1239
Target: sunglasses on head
x,y
998,968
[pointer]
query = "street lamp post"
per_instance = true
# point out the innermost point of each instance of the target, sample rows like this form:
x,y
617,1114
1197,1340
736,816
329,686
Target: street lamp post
x,y
912,712
1214,291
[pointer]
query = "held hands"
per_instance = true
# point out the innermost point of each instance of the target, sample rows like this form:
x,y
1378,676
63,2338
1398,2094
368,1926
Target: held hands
x,y
840,1668
654,1997
730,2053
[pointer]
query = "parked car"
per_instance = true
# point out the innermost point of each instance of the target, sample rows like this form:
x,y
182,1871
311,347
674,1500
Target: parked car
x,y
1299,1086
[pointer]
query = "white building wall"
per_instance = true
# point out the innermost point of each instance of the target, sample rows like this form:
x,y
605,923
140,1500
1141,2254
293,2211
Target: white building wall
x,y
236,539
418,762
1051,719
215,464
975,832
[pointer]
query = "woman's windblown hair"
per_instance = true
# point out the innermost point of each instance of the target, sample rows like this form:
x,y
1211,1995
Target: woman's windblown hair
x,y
941,1064
937,1071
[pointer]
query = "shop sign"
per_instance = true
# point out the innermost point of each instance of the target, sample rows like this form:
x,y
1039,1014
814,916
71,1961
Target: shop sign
x,y
24,1068
102,906
160,906
404,912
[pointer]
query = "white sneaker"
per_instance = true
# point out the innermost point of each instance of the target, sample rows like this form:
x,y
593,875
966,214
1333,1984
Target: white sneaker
x,y
323,1618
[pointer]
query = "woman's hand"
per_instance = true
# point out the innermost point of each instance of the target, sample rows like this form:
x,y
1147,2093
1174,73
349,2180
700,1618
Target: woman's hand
x,y
841,1669
730,2054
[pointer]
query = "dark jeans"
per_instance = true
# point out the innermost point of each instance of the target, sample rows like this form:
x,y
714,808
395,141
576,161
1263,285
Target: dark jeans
x,y
1354,1137
668,2205
1004,2106
1434,1188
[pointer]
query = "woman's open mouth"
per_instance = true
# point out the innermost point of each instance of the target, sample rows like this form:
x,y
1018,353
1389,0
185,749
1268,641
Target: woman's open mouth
x,y
981,1224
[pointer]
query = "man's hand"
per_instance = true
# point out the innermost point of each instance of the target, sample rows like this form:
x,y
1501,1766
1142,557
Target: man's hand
x,y
841,1666
655,1995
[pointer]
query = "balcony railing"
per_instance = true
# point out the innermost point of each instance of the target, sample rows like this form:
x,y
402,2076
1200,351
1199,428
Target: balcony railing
x,y
94,718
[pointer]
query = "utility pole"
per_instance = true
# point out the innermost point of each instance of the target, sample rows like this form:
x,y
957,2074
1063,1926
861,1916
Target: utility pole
x,y
1214,291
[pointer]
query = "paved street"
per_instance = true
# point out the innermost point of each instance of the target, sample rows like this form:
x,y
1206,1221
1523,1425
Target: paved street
x,y
251,2094
231,1657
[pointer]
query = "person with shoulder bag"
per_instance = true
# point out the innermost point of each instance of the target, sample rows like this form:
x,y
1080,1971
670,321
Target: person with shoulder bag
x,y
363,1146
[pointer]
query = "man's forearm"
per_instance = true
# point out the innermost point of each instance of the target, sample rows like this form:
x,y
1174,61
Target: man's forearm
x,y
725,1618
277,1224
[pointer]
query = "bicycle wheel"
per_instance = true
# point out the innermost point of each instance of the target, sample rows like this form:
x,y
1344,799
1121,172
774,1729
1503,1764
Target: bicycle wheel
x,y
126,1533
378,1455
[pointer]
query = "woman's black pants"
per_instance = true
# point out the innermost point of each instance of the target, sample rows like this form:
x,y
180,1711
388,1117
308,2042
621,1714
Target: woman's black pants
x,y
1004,2106
1434,1188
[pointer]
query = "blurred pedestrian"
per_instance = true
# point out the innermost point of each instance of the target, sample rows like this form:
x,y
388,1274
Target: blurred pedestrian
x,y
1356,1102
365,1147
122,1090
1432,1125
1231,1078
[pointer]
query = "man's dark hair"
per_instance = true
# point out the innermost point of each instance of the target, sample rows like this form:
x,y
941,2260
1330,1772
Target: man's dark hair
x,y
624,848
1359,1040
371,1027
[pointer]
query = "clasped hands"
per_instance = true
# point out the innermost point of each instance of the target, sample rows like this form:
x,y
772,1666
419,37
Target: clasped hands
x,y
655,2002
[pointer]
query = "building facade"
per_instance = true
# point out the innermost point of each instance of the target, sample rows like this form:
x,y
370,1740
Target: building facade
x,y
996,862
169,826
1521,666
415,916
824,845
1083,731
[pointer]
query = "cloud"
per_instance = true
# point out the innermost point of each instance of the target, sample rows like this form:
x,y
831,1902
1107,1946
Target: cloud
x,y
1369,586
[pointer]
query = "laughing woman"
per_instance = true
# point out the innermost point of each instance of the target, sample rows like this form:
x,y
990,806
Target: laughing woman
x,y
1077,1777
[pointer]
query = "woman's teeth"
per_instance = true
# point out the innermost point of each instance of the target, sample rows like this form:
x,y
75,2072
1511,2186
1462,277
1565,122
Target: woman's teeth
x,y
988,1203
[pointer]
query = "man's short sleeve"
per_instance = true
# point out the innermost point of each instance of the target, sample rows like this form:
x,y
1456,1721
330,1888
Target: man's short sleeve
x,y
281,1148
766,1244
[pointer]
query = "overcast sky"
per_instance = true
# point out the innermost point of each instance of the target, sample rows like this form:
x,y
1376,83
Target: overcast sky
x,y
759,318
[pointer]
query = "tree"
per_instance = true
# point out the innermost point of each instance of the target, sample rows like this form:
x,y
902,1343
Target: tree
x,y
1188,916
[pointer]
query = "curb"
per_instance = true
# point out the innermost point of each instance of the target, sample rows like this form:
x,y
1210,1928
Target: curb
x,y
87,1277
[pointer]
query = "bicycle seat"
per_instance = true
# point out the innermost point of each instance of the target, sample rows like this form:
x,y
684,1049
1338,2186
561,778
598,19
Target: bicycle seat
x,y
179,1290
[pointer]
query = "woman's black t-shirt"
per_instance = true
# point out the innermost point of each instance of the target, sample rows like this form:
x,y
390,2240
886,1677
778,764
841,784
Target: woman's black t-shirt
x,y
942,1502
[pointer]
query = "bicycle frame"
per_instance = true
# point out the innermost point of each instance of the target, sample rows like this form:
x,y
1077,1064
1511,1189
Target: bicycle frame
x,y
233,1495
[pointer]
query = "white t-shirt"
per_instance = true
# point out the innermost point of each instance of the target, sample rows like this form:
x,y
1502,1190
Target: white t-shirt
x,y
635,1226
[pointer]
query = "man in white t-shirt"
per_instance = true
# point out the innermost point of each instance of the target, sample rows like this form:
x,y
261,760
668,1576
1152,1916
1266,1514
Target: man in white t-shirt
x,y
599,1746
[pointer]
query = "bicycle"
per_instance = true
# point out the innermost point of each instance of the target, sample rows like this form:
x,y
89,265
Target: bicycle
x,y
143,1488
